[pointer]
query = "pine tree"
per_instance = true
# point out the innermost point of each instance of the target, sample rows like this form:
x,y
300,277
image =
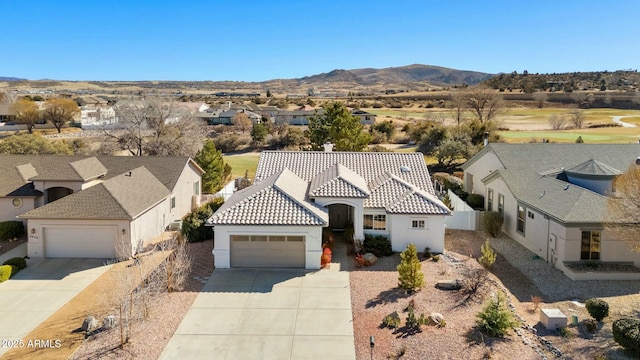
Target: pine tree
x,y
216,171
488,256
410,277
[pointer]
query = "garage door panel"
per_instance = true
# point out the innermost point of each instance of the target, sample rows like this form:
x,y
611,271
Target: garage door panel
x,y
80,242
268,254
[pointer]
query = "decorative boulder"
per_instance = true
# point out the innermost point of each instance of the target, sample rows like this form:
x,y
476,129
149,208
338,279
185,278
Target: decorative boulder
x,y
90,324
449,284
435,318
369,259
109,322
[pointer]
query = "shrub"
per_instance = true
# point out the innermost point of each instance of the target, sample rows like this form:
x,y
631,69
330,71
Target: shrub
x,y
597,308
21,263
476,201
11,229
413,322
410,275
435,258
378,245
590,324
495,319
5,273
564,332
392,320
14,270
427,253
492,223
626,332
193,224
488,256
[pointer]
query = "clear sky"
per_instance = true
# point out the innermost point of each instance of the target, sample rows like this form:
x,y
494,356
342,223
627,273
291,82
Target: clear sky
x,y
249,40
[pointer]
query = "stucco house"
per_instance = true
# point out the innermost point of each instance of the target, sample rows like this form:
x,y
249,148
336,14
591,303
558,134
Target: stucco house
x,y
554,199
95,207
278,221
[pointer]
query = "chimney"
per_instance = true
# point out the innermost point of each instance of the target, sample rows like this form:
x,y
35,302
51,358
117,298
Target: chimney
x,y
328,147
486,138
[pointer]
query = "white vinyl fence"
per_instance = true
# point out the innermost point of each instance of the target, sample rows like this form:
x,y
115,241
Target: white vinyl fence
x,y
464,217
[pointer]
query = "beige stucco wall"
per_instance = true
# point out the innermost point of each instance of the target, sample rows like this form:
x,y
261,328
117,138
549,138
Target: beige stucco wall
x,y
183,192
313,241
150,224
8,211
402,234
477,171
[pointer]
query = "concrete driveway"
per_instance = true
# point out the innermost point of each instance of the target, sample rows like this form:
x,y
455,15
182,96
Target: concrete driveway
x,y
38,291
268,314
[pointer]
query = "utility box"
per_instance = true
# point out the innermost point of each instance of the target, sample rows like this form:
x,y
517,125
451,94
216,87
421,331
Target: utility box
x,y
553,319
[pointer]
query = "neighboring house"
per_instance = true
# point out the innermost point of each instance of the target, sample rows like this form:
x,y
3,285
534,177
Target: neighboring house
x,y
92,117
225,116
301,116
554,198
366,118
278,221
7,113
95,207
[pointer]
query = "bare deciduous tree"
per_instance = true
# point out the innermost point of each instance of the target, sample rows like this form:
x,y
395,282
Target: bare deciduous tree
x,y
623,208
540,98
577,118
458,106
485,104
242,122
60,111
557,121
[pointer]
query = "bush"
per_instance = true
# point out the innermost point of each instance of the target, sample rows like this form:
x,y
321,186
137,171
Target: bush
x,y
14,270
492,223
378,245
488,256
495,319
391,321
410,275
21,263
476,201
626,332
11,229
597,308
193,227
5,273
590,324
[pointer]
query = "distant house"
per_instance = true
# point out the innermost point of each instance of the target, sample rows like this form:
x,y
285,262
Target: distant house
x,y
278,221
553,198
7,113
92,117
302,116
365,117
95,207
225,116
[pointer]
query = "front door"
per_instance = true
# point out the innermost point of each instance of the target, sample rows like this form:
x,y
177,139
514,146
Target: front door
x,y
339,216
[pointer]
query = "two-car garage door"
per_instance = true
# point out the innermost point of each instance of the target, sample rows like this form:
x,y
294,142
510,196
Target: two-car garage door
x,y
80,242
267,251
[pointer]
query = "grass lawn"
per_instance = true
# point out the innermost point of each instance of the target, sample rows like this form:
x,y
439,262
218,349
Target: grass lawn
x,y
241,162
599,135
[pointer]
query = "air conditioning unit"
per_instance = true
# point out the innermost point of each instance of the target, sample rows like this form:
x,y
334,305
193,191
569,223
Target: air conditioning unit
x,y
175,225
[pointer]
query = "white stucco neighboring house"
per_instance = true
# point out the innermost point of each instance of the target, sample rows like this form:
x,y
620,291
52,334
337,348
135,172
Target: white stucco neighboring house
x,y
95,207
278,221
553,198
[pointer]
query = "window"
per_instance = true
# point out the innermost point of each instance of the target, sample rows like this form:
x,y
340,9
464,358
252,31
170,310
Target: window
x,y
173,202
521,215
417,224
295,238
590,246
196,188
501,204
375,222
530,215
490,200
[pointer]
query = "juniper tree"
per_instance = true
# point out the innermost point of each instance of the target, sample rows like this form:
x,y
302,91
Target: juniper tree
x,y
410,275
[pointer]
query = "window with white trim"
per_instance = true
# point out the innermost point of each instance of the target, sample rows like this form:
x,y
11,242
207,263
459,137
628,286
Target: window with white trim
x,y
375,222
501,204
490,200
521,219
590,245
196,188
417,224
173,202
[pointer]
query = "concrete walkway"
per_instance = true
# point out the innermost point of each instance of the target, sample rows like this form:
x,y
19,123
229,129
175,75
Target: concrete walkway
x,y
269,314
38,291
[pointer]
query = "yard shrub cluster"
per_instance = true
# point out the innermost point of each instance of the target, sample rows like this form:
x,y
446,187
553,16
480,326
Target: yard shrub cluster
x,y
378,245
492,223
495,319
597,308
193,224
488,256
5,272
626,332
19,262
11,229
476,201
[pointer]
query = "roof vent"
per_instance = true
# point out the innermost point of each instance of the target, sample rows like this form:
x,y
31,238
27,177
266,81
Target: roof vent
x,y
405,169
328,147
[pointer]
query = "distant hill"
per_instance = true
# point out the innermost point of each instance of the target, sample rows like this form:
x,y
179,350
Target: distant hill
x,y
411,73
620,80
6,78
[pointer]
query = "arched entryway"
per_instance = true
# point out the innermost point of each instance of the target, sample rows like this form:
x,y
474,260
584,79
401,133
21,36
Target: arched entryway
x,y
340,216
56,193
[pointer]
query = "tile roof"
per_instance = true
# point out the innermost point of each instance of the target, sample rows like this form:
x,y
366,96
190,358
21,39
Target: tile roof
x,y
279,199
397,196
122,197
338,181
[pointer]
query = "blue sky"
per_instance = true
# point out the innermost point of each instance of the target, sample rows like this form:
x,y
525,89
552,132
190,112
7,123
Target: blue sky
x,y
250,40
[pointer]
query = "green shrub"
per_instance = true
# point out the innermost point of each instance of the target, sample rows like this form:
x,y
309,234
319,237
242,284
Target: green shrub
x,y
5,273
626,332
410,275
597,308
495,319
392,320
590,324
435,258
378,245
413,322
488,256
476,201
193,224
11,229
492,223
14,270
21,263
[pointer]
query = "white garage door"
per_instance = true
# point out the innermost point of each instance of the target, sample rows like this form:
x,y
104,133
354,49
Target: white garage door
x,y
80,242
267,251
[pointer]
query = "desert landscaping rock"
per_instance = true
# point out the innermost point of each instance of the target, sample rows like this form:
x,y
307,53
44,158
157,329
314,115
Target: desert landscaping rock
x,y
369,259
454,284
109,322
90,324
436,318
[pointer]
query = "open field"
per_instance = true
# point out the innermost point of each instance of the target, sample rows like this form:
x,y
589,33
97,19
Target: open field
x,y
241,162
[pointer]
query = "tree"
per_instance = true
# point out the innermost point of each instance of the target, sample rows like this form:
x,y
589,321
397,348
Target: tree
x,y
216,171
450,150
410,275
577,118
428,135
259,134
34,144
495,319
60,111
623,208
484,104
28,113
154,127
556,122
338,126
385,127
241,121
540,98
488,256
